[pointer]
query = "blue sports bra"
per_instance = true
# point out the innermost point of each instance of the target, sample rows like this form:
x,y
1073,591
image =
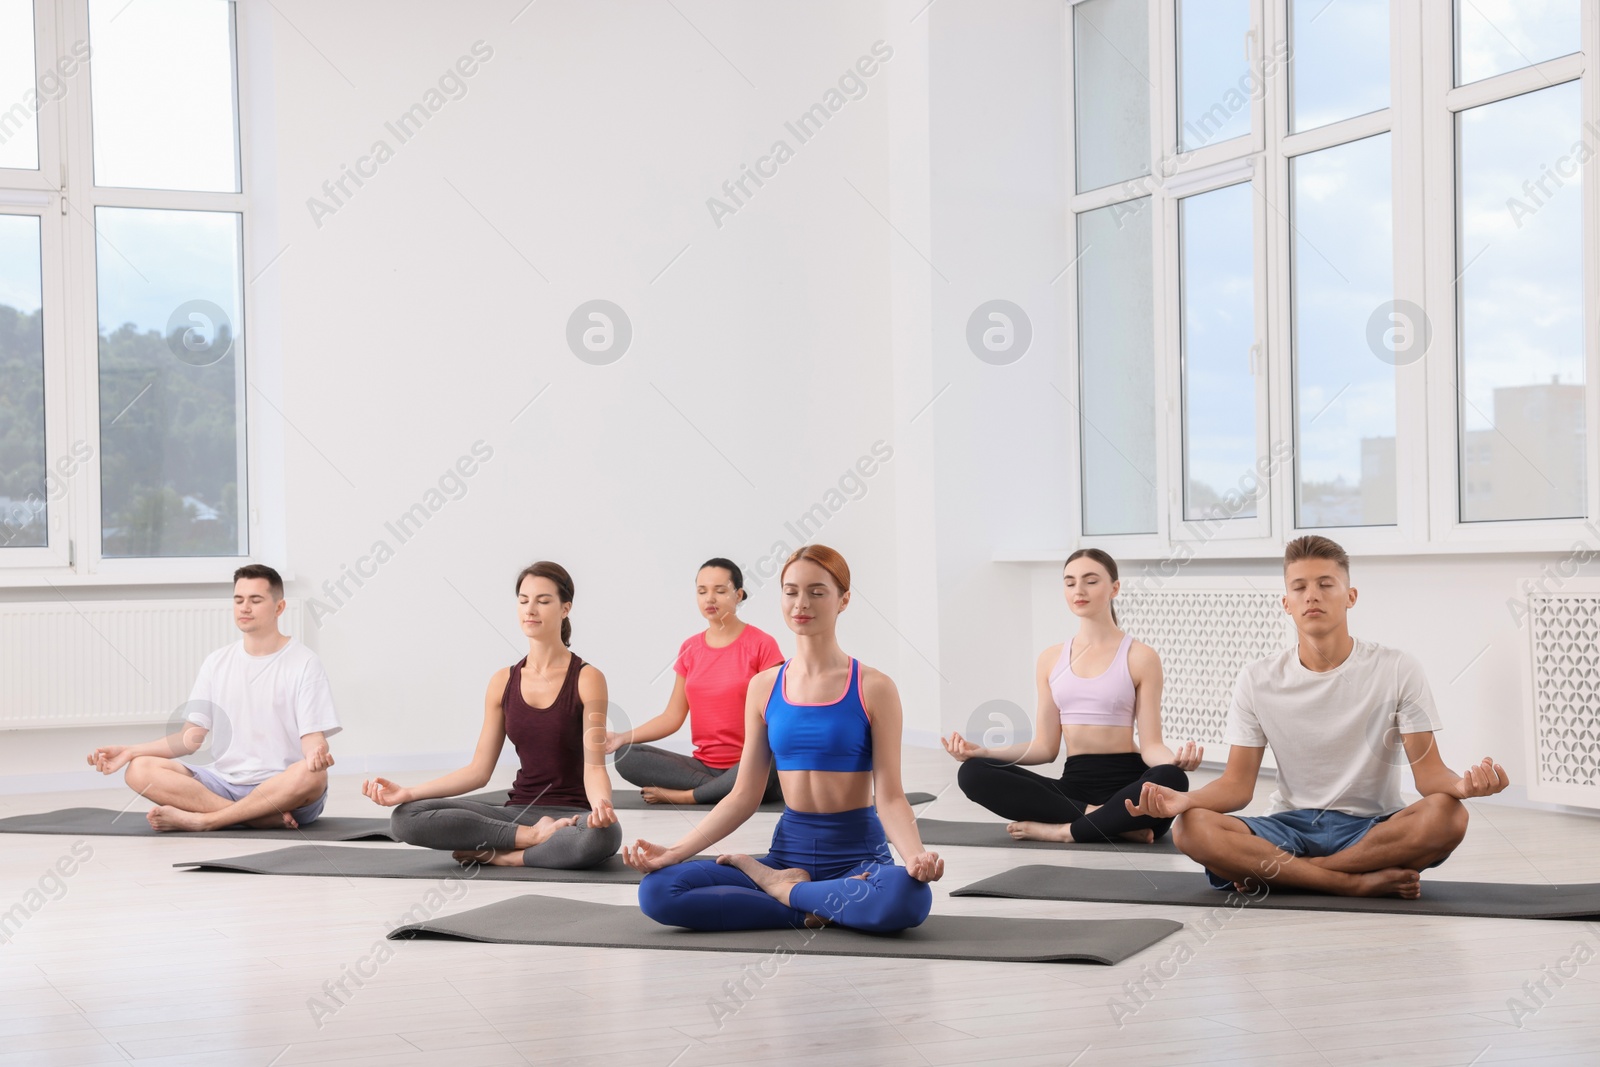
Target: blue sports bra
x,y
819,737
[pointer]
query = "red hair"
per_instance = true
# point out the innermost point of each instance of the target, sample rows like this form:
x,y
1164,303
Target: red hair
x,y
824,557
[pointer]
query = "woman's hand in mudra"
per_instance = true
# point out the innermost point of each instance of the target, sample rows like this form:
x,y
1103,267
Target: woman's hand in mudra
x,y
961,748
645,856
925,867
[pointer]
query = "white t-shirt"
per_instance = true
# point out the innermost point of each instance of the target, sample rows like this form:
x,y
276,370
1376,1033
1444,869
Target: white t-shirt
x,y
267,704
1335,734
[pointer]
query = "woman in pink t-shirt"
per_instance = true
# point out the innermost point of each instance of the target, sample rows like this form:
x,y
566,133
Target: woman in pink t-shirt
x,y
714,669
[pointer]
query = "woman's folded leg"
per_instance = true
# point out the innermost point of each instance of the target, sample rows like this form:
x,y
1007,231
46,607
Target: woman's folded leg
x,y
647,765
451,823
706,895
1017,794
1111,820
574,848
877,897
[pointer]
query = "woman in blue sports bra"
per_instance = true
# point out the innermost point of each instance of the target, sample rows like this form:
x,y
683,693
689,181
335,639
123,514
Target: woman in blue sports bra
x,y
833,728
1093,691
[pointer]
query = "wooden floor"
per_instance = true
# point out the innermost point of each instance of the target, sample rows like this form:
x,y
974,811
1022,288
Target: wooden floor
x,y
139,962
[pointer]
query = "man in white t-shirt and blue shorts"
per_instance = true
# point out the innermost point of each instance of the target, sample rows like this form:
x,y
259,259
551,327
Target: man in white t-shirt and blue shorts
x,y
266,703
1342,715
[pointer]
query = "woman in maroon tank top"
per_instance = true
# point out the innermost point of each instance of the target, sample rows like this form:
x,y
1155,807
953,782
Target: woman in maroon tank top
x,y
552,707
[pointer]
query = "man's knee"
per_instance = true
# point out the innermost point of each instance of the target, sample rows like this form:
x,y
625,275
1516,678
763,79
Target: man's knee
x,y
1194,832
1445,819
141,772
307,784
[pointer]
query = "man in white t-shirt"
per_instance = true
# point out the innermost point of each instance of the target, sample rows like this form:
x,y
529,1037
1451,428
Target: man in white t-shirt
x,y
265,702
1342,715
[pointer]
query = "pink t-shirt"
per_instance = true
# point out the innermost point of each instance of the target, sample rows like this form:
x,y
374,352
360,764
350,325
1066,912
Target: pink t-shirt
x,y
716,680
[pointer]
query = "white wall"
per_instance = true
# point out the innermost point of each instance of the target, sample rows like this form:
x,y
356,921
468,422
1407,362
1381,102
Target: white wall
x,y
409,327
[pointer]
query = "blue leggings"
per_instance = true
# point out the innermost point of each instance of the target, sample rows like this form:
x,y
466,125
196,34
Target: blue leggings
x,y
831,847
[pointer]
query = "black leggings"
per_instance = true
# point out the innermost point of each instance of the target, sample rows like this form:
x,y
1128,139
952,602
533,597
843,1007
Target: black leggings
x,y
1106,779
647,765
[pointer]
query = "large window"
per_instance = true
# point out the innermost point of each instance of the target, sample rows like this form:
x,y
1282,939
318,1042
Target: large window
x,y
1344,398
1339,65
1111,46
122,344
1219,350
1118,379
1499,37
1361,233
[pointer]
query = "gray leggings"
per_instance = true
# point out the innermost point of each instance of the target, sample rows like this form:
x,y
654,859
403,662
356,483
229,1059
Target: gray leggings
x,y
647,765
453,823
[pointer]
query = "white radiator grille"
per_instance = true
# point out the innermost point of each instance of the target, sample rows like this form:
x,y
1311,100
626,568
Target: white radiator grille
x,y
1565,725
96,663
1204,636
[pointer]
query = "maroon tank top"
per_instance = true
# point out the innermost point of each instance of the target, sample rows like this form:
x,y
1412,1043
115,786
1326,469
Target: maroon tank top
x,y
549,742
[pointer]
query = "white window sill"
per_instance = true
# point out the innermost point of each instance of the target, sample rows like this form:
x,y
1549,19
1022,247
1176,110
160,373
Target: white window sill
x,y
217,572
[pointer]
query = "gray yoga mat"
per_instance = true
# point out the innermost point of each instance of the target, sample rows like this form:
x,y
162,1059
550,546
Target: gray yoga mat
x,y
104,822
331,861
532,919
1493,900
993,835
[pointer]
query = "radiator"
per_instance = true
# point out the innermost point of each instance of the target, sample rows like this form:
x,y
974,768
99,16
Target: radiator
x,y
1563,731
1205,631
100,663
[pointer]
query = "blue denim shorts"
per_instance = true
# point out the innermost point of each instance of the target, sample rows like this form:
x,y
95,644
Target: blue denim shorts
x,y
1307,832
213,781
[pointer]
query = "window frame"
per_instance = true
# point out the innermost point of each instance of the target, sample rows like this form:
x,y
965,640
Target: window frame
x,y
66,137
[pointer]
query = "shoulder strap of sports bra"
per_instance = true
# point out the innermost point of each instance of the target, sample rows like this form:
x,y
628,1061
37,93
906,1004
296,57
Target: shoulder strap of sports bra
x,y
777,690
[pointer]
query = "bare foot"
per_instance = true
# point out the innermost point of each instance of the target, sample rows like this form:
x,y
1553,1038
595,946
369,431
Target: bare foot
x,y
1143,837
774,883
165,817
494,858
654,794
284,821
1390,882
542,831
1039,831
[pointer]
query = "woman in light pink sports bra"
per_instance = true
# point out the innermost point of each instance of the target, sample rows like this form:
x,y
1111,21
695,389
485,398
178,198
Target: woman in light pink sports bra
x,y
1093,691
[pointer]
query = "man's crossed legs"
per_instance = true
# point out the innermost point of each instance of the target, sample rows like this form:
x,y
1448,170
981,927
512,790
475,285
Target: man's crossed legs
x,y
194,798
1325,851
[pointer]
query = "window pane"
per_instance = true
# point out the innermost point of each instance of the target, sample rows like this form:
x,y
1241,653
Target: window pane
x,y
1111,59
1343,274
1215,82
1116,344
1219,392
163,95
1521,293
171,382
1339,65
1494,36
19,123
23,492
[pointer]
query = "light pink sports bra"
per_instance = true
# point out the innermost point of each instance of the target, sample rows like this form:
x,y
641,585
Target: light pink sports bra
x,y
1104,700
